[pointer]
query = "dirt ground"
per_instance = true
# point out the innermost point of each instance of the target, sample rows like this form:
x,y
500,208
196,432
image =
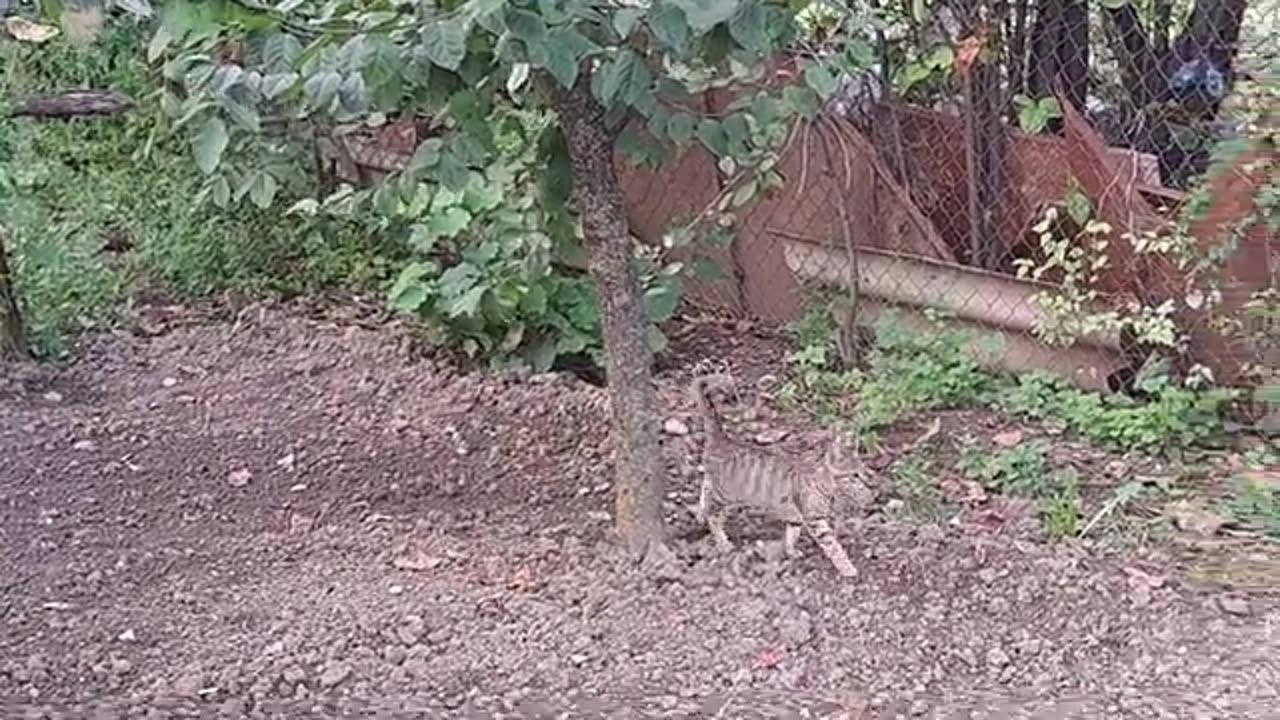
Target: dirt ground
x,y
297,515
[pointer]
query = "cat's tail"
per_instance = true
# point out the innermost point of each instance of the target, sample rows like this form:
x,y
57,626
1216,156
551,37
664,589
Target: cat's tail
x,y
710,419
825,537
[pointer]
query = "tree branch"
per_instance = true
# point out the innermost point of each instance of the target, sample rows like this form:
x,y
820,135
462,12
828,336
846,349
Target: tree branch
x,y
77,103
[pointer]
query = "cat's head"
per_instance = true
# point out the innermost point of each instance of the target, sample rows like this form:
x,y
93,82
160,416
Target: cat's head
x,y
842,458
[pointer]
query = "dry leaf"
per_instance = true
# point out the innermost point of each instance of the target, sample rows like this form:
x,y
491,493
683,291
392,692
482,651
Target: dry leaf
x,y
1195,519
27,31
521,579
1008,438
769,657
417,561
968,49
239,478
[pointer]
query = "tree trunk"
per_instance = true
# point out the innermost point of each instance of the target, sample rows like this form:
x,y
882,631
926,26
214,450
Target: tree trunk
x,y
78,103
12,342
640,474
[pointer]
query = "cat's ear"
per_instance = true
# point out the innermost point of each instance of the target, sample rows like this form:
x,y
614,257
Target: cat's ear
x,y
834,456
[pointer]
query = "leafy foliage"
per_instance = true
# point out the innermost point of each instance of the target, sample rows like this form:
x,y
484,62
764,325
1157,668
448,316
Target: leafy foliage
x,y
911,372
1256,505
484,209
1172,416
913,479
1020,470
76,186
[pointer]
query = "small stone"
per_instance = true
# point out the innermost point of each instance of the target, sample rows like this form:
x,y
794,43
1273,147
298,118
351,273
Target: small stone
x,y
771,436
394,654
395,589
120,666
997,657
286,462
128,636
53,396
84,445
169,382
1234,605
293,675
187,686
239,478
411,629
334,674
675,426
797,629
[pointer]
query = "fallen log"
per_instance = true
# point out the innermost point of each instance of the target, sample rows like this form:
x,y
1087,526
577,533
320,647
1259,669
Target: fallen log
x,y
77,103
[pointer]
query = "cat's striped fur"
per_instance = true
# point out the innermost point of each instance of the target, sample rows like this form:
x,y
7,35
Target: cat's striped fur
x,y
789,488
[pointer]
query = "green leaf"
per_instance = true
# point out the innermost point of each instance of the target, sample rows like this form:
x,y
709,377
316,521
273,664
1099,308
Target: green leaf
x,y
321,88
527,27
660,302
409,292
738,132
748,27
1114,4
801,100
706,14
669,25
450,222
820,77
262,190
1079,208
680,128
483,197
714,137
566,48
209,144
704,269
542,355
745,193
655,339
626,19
275,85
445,43
623,79
220,191
919,11
468,303
426,156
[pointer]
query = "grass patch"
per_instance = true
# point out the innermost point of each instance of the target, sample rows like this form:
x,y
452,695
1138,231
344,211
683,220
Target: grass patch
x,y
910,372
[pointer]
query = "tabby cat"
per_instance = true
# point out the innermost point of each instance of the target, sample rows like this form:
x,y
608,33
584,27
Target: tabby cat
x,y
786,487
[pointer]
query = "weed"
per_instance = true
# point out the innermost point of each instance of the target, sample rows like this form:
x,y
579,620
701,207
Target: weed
x,y
1022,470
911,372
1255,505
1060,506
906,373
913,477
1120,498
1172,415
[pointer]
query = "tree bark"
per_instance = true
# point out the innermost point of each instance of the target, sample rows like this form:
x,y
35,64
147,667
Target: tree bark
x,y
71,104
640,473
12,339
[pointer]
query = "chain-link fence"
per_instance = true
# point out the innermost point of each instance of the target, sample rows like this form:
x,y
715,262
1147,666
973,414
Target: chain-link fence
x,y
1051,191
1082,186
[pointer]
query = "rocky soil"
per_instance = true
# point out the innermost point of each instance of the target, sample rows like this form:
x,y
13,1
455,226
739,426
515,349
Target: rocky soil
x,y
300,516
